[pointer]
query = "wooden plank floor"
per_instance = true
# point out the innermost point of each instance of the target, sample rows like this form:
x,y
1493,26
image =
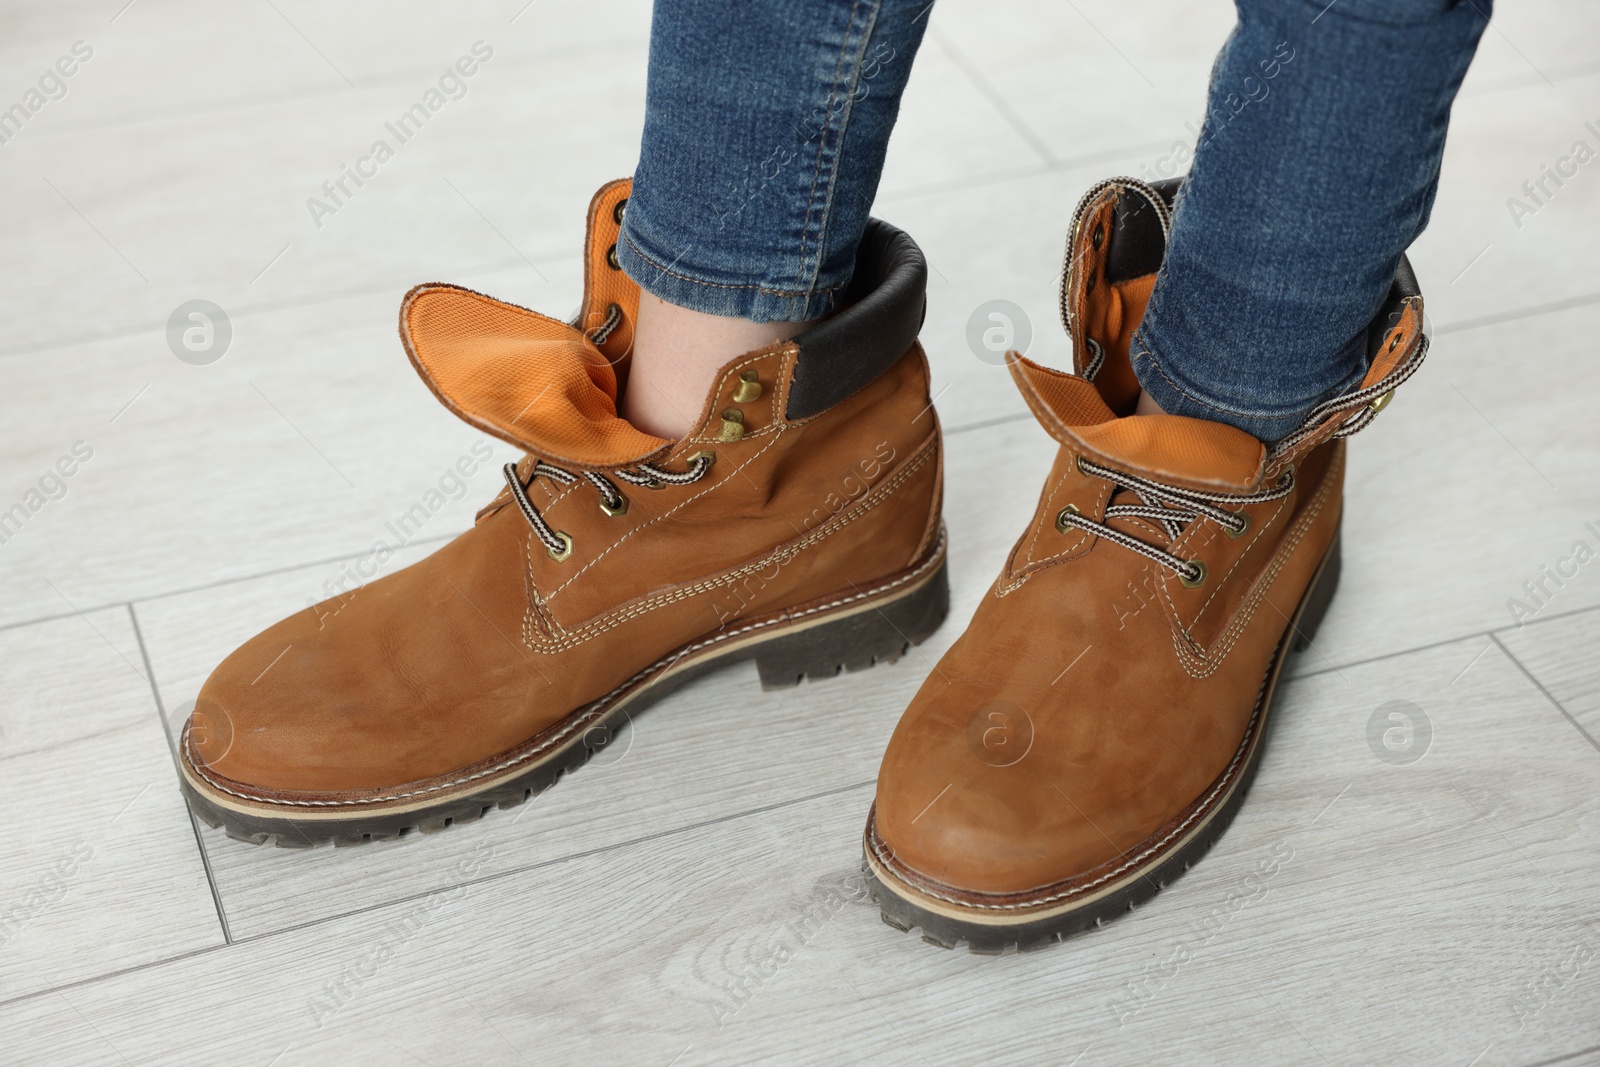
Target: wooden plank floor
x,y
694,895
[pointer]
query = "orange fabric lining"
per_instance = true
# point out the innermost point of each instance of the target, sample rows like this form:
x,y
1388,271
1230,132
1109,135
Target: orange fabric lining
x,y
1182,450
534,382
1113,316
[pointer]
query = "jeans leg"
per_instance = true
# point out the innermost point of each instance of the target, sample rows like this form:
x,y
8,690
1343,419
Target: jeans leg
x,y
766,125
1316,168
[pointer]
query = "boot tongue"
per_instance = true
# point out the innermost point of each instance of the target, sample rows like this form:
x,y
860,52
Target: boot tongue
x,y
527,379
1173,449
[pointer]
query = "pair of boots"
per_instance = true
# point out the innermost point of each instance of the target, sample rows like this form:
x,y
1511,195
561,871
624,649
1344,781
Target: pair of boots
x,y
1086,739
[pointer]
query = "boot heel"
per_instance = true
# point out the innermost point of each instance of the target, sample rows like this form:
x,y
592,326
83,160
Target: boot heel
x,y
1318,599
880,634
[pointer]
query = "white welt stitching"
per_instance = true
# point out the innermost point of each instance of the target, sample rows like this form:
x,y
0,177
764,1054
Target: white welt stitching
x,y
879,846
589,712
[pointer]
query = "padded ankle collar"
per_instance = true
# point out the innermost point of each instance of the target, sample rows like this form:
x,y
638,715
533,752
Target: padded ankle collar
x,y
883,310
1138,245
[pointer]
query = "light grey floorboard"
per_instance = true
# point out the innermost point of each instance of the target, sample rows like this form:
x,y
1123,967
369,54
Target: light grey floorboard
x,y
692,897
716,748
118,223
1475,478
301,444
1459,883
1563,654
98,864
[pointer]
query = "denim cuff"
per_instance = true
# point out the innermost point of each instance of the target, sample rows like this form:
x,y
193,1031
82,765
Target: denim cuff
x,y
1162,376
679,278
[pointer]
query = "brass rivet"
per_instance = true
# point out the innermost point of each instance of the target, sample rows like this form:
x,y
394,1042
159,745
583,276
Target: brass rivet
x,y
611,258
732,425
1244,526
620,509
1099,235
1062,525
749,388
1199,579
566,548
1382,402
616,212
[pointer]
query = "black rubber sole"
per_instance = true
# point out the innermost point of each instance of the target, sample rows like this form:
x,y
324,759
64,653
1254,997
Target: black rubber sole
x,y
946,931
874,628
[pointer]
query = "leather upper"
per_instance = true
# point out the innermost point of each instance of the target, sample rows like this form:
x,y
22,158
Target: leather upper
x,y
422,675
1097,702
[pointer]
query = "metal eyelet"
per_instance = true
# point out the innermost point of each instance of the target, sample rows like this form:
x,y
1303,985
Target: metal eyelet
x,y
611,258
1381,402
710,457
1062,525
1099,235
616,212
566,548
1244,526
1088,286
1199,579
620,509
732,425
749,388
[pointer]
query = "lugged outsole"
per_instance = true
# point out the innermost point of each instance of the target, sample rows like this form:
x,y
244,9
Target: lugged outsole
x,y
858,638
948,932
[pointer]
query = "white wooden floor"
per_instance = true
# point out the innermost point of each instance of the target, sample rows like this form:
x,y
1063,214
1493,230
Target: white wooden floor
x,y
693,897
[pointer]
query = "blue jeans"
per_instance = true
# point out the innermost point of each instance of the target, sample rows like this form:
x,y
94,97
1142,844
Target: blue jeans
x,y
767,123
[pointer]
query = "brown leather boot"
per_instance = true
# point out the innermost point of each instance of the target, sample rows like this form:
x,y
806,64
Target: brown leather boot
x,y
1096,727
798,526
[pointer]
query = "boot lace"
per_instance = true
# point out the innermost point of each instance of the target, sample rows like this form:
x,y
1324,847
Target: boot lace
x,y
1173,509
644,475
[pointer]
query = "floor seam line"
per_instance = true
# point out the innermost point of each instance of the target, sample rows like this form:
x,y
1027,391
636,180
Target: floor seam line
x,y
994,98
1565,1057
585,854
172,750
219,583
1526,673
412,897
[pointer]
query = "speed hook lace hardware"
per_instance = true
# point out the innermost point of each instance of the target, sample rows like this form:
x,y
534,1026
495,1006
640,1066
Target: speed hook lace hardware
x,y
646,475
1171,507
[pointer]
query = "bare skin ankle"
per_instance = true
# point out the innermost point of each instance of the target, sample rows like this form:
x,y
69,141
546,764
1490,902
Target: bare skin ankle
x,y
1147,406
676,355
